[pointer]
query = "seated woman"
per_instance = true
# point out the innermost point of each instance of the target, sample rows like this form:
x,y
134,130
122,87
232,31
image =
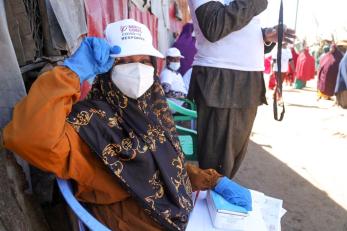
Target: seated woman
x,y
119,145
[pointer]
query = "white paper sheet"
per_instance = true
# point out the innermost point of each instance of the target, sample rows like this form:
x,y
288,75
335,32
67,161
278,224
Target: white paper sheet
x,y
200,218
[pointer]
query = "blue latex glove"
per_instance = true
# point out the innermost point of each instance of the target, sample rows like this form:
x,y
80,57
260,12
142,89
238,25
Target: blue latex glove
x,y
92,58
234,193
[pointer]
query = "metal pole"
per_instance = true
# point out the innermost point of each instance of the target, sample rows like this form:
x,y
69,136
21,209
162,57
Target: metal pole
x,y
296,15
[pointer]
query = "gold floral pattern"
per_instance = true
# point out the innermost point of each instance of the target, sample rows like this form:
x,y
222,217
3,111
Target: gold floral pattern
x,y
157,185
126,150
138,138
115,121
182,180
82,118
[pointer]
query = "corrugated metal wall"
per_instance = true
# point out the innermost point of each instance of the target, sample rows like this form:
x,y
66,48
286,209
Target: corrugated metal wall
x,y
102,12
66,22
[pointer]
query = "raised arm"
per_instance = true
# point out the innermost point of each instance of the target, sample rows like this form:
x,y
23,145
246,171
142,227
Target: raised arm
x,y
217,20
37,131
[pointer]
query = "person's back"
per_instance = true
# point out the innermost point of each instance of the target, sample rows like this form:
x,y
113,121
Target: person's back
x,y
305,69
329,66
341,83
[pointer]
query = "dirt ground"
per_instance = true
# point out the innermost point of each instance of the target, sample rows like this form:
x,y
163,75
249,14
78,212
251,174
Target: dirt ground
x,y
302,160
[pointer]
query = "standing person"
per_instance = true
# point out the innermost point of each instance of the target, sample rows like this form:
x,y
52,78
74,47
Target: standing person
x,y
186,44
305,69
171,79
341,83
119,145
326,50
227,80
327,74
291,69
286,61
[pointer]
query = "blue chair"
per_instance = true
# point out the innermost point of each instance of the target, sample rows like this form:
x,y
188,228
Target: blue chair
x,y
84,218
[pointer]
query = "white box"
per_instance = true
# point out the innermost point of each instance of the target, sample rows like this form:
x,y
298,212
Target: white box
x,y
225,215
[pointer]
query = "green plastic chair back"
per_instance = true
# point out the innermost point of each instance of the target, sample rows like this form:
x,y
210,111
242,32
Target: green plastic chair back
x,y
181,113
188,141
187,145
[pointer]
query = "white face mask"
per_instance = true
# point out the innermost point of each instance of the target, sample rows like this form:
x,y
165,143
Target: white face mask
x,y
174,66
133,79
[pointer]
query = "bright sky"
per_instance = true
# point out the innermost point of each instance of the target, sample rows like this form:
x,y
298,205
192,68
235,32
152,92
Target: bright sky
x,y
316,18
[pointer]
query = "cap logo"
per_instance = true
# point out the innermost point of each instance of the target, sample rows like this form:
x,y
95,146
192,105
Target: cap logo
x,y
131,32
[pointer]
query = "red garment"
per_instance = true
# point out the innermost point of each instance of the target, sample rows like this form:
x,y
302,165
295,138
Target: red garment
x,y
85,88
294,56
305,66
272,81
267,64
327,75
291,73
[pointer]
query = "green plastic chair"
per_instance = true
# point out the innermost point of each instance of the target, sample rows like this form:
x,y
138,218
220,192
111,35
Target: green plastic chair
x,y
191,104
188,141
181,113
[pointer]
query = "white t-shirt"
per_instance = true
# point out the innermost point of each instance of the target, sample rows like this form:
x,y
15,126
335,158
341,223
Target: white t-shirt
x,y
240,50
186,78
174,79
286,56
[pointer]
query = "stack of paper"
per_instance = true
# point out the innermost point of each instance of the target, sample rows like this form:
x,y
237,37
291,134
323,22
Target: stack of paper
x,y
271,209
266,215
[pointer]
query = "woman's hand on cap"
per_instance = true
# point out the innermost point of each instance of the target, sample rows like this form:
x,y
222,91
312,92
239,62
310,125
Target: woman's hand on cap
x,y
92,58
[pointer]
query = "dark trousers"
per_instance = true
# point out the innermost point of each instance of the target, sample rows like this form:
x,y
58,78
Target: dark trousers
x,y
223,136
227,102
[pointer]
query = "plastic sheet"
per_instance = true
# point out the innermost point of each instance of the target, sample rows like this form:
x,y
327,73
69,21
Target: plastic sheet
x,y
68,11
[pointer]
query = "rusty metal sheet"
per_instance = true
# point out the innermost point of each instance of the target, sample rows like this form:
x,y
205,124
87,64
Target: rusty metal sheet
x,y
150,20
102,12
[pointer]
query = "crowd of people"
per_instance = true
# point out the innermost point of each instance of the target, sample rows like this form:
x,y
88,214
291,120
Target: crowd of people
x,y
120,145
298,68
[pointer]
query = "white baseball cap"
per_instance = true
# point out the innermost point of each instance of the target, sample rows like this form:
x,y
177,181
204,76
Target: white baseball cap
x,y
173,52
132,37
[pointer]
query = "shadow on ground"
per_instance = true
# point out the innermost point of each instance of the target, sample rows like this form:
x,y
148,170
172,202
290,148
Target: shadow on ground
x,y
308,208
304,106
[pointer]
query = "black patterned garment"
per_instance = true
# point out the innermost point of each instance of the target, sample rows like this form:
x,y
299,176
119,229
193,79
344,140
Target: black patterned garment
x,y
137,141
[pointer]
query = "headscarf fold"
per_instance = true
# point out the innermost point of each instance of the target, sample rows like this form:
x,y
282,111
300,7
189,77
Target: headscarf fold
x,y
137,141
